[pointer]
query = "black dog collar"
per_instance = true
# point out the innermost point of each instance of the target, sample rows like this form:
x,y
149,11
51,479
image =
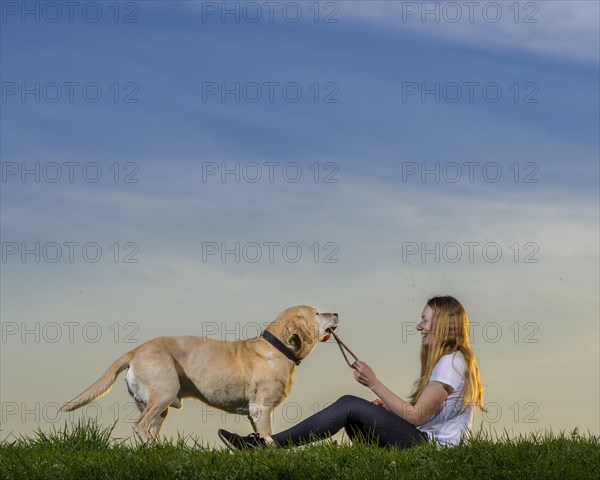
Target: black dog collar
x,y
279,345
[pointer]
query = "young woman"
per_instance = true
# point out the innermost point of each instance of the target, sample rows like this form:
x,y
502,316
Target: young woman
x,y
440,407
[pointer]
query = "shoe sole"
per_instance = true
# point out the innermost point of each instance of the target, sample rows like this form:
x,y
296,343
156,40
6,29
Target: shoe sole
x,y
227,443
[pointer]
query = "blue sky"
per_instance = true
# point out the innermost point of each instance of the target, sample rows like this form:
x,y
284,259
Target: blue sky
x,y
373,208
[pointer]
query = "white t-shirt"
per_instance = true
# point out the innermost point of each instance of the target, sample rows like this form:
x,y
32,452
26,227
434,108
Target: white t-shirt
x,y
448,424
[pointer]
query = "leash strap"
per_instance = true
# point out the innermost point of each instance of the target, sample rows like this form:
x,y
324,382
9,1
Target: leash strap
x,y
342,345
279,345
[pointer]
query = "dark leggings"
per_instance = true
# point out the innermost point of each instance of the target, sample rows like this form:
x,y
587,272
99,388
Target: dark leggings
x,y
360,418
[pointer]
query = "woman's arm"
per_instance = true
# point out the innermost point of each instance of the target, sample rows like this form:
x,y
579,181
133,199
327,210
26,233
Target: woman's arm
x,y
433,396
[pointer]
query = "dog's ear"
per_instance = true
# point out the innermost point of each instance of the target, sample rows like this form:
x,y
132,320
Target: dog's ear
x,y
299,336
296,342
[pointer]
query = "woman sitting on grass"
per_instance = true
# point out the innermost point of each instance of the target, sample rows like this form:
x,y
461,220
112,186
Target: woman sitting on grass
x,y
441,405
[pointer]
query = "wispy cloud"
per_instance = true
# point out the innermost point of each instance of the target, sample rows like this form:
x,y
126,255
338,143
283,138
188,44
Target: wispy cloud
x,y
567,30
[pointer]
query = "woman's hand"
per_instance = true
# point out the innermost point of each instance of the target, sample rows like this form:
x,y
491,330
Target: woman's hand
x,y
379,403
363,374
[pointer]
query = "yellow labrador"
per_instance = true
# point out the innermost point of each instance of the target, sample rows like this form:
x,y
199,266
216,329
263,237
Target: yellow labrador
x,y
249,377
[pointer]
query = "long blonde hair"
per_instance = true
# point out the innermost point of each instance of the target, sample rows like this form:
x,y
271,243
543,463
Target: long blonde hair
x,y
450,334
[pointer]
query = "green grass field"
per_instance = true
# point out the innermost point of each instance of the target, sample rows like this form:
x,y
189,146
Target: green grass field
x,y
87,451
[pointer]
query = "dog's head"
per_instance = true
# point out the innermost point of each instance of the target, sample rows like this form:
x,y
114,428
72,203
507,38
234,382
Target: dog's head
x,y
302,326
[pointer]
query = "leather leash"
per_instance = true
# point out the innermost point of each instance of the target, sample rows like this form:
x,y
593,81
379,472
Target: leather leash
x,y
342,345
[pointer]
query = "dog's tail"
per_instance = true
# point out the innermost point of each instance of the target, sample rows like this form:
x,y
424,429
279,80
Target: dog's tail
x,y
102,386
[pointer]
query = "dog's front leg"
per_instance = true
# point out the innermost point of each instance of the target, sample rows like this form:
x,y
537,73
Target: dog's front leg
x,y
260,415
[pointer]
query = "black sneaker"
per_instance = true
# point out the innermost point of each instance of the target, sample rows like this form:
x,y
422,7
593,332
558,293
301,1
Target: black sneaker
x,y
237,442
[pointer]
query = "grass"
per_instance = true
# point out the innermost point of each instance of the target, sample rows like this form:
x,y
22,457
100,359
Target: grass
x,y
87,451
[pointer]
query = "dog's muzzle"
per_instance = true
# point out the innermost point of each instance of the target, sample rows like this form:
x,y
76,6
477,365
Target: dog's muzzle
x,y
330,327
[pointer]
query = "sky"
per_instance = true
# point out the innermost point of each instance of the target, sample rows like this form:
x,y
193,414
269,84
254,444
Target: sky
x,y
194,168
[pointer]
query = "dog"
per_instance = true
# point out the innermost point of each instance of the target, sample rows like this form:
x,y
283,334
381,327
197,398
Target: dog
x,y
248,377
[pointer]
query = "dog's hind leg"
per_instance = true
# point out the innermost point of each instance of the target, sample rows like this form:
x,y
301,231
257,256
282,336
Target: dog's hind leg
x,y
157,423
148,425
154,390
